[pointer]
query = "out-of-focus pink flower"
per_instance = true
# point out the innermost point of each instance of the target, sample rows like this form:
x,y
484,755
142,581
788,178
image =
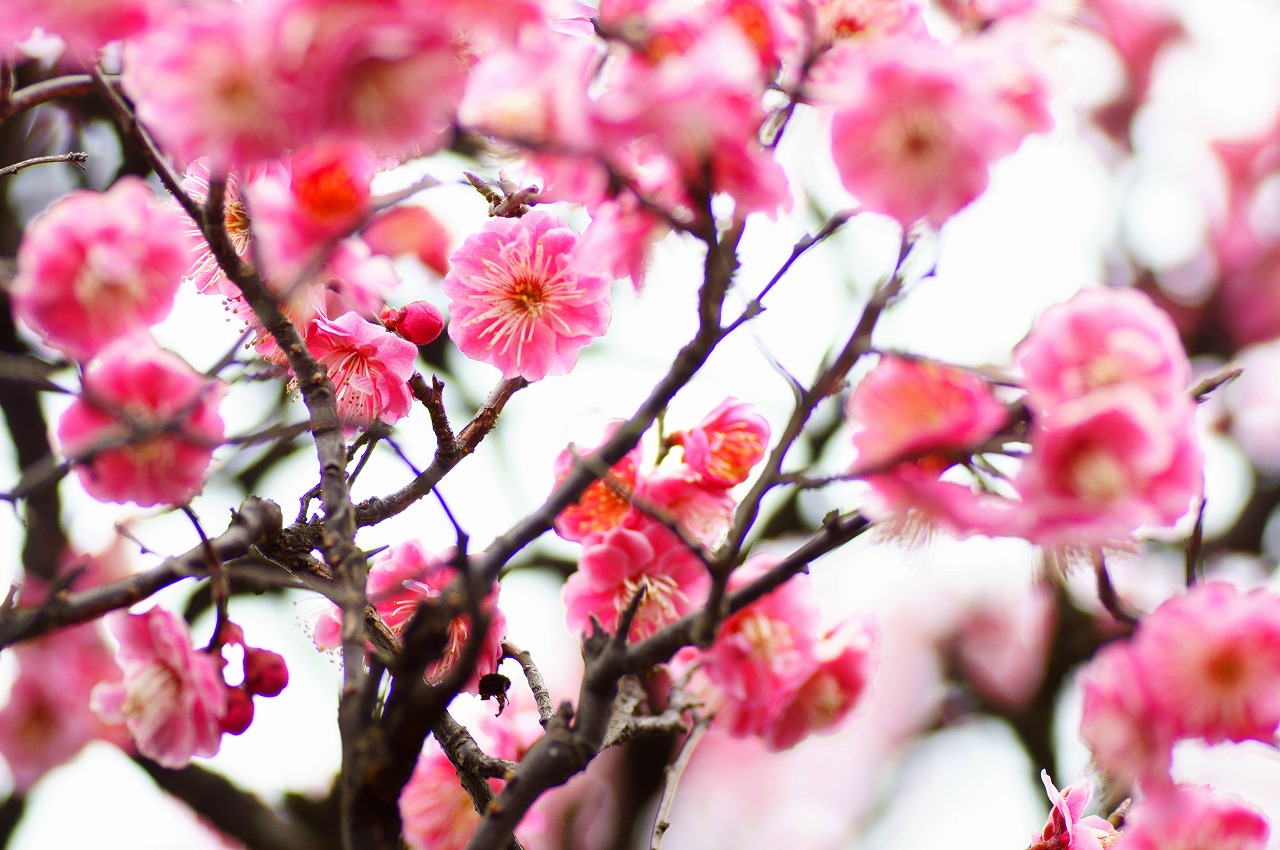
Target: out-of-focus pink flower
x,y
865,20
172,698
1003,642
702,511
369,366
97,266
1102,338
773,674
1121,722
908,408
618,563
520,302
1139,30
1253,402
1212,657
144,427
420,322
85,25
1104,464
1193,817
1066,829
410,229
619,238
604,504
726,444
917,127
400,579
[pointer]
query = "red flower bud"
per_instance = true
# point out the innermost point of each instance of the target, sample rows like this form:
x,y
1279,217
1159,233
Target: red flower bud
x,y
239,712
265,673
418,322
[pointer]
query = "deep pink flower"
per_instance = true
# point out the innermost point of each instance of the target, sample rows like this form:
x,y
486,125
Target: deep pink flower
x,y
1193,818
145,426
97,266
616,564
726,444
368,365
404,576
909,408
1129,733
1102,338
410,229
519,301
420,322
85,25
1212,657
604,504
172,698
1066,829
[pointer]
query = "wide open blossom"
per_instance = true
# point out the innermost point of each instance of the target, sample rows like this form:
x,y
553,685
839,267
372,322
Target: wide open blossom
x,y
369,366
1193,818
399,580
519,300
173,698
97,266
725,446
617,564
145,426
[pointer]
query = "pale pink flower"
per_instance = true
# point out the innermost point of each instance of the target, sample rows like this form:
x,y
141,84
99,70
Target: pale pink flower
x,y
85,25
912,499
145,426
701,510
1193,818
726,444
1212,657
605,504
1102,338
1066,829
1139,30
618,563
619,238
369,366
520,302
97,266
1106,463
917,128
910,408
865,20
410,229
172,698
404,576
1003,641
1129,733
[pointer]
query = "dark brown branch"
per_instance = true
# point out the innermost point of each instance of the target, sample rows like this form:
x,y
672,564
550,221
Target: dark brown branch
x,y
256,520
74,85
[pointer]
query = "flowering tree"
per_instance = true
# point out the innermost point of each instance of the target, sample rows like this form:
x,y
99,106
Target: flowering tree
x,y
296,166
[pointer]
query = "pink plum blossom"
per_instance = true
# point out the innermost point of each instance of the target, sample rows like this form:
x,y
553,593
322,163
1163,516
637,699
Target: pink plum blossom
x,y
605,504
368,365
97,266
404,576
410,229
420,322
1102,338
1193,818
85,25
701,510
144,427
618,563
909,408
727,444
1066,829
519,301
1128,731
865,20
172,699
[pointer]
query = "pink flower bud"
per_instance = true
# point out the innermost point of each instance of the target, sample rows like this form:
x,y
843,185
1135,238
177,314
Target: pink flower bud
x,y
265,673
239,712
419,322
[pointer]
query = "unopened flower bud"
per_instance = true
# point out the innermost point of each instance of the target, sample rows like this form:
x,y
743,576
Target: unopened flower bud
x,y
239,712
265,673
419,322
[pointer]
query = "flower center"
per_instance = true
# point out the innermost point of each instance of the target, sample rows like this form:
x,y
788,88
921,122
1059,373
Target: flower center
x,y
1097,477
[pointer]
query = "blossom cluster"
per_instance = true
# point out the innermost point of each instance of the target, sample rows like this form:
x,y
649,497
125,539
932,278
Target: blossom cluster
x,y
1110,431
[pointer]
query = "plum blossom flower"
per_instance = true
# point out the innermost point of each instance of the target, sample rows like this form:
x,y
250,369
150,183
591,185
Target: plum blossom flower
x,y
97,266
1122,723
368,365
606,503
85,25
519,301
404,576
173,698
1193,818
410,229
726,444
1066,829
618,563
144,427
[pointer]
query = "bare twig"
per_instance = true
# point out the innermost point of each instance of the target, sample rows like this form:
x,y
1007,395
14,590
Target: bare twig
x,y
1107,592
76,158
671,780
537,684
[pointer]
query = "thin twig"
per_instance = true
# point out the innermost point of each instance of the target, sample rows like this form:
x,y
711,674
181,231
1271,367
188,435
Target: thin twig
x,y
1107,592
76,158
671,780
537,684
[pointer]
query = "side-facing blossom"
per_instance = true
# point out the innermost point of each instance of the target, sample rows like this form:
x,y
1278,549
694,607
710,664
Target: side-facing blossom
x,y
617,564
725,446
399,580
1067,828
173,698
1193,818
519,301
369,366
1102,338
410,229
606,503
97,266
144,427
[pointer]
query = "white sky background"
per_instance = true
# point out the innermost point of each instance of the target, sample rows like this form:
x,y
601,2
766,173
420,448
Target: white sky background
x,y
1035,237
